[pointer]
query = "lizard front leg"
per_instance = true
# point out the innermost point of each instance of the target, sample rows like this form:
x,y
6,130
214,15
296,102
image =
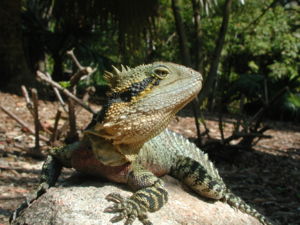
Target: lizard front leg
x,y
60,157
50,173
150,196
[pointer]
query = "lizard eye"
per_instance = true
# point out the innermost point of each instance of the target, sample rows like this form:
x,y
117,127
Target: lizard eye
x,y
161,72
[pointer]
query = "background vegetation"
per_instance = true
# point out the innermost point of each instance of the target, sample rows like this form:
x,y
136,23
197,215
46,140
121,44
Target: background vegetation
x,y
248,52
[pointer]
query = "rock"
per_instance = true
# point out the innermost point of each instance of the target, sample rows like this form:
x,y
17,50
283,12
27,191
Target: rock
x,y
82,201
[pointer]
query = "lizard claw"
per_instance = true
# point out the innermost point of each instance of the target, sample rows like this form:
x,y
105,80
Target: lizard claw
x,y
114,197
125,208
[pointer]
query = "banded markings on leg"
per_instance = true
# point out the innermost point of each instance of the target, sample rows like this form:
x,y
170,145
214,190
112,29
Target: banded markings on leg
x,y
150,196
50,173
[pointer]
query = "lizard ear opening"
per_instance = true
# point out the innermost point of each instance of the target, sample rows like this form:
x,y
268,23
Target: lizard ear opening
x,y
161,72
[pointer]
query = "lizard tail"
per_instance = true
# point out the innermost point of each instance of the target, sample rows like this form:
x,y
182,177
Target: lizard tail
x,y
236,202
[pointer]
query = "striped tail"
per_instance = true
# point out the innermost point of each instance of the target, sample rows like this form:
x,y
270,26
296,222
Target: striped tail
x,y
203,178
236,202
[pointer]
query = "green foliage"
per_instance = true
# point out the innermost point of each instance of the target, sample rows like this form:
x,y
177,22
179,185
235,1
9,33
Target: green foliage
x,y
65,84
250,85
262,57
261,51
292,102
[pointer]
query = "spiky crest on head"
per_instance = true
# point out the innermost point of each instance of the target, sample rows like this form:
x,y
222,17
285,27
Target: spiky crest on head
x,y
121,80
114,77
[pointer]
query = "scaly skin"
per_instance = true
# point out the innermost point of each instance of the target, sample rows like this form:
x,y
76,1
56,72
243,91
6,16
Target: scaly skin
x,y
127,142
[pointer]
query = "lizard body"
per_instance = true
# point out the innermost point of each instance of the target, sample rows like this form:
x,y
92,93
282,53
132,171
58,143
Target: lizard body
x,y
127,142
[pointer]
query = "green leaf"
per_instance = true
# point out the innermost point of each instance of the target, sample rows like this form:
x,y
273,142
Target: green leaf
x,y
253,66
65,84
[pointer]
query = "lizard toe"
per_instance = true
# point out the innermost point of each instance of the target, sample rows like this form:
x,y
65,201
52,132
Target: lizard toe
x,y
114,197
127,209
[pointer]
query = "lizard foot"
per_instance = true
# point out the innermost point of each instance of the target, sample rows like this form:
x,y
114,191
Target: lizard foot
x,y
18,211
41,190
127,209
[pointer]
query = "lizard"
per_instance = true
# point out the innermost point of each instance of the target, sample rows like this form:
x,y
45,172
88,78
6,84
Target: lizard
x,y
128,142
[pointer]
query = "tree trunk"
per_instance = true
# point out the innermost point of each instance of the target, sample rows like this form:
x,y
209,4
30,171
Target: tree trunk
x,y
58,67
198,36
13,65
212,74
185,55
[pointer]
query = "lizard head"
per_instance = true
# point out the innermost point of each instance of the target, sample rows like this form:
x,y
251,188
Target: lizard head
x,y
142,101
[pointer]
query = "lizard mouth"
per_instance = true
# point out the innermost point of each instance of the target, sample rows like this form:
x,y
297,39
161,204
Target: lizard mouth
x,y
172,99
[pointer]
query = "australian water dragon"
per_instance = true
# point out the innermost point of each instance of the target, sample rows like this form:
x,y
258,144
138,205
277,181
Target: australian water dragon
x,y
127,142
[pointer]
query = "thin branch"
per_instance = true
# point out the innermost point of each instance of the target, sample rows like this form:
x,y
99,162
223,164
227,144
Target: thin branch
x,y
21,147
36,118
262,130
257,20
266,91
55,130
44,78
27,99
78,75
221,127
216,57
245,135
83,71
22,123
259,115
64,128
88,92
72,120
238,122
60,99
73,57
30,108
195,105
206,129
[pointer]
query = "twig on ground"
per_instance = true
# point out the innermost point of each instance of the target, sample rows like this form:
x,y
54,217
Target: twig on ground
x,y
55,130
73,135
221,127
64,128
30,151
206,130
83,71
261,131
73,57
195,105
259,115
27,99
245,135
88,92
43,77
36,118
237,125
21,147
78,75
60,99
22,123
30,108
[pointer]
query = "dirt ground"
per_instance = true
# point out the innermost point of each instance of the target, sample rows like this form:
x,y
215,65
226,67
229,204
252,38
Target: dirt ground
x,y
268,178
